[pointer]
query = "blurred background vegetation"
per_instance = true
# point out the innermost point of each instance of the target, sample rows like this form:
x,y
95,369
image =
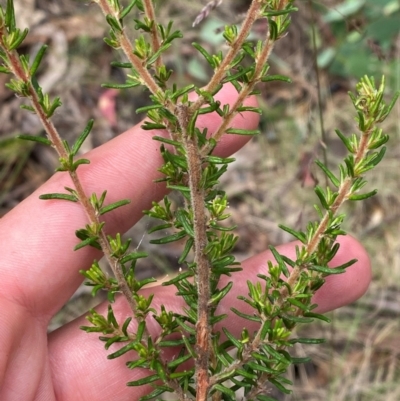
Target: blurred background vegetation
x,y
330,45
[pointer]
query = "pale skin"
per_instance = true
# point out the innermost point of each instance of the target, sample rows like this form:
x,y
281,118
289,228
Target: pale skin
x,y
39,273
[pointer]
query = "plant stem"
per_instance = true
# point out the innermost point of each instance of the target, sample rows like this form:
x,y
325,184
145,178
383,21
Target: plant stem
x,y
127,47
149,10
203,328
344,191
251,16
244,93
19,72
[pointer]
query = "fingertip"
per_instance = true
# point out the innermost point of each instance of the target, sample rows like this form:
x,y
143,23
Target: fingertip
x,y
343,289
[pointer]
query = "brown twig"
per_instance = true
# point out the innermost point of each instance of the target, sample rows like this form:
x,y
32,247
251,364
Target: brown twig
x,y
17,69
205,11
155,39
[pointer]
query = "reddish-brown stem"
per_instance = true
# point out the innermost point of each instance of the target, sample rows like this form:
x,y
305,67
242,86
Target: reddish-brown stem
x,y
15,65
150,14
127,48
344,191
203,328
220,72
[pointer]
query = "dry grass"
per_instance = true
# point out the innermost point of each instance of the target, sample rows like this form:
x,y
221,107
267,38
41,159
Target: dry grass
x,y
268,184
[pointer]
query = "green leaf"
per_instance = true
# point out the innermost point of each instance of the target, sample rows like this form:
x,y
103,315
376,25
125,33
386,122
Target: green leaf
x,y
219,160
121,64
82,137
224,390
39,139
142,363
129,347
120,86
71,198
321,196
38,59
347,264
186,250
329,173
216,319
275,13
190,329
10,16
155,393
78,162
363,196
307,341
378,157
205,54
273,29
297,234
125,326
349,161
133,256
280,386
235,342
346,141
215,298
280,261
114,206
378,143
126,10
113,340
177,375
253,318
54,106
249,108
148,126
317,316
166,140
189,347
182,216
4,70
238,131
393,102
326,269
297,319
268,78
144,380
246,374
114,24
140,331
170,238
18,38
160,227
171,343
176,362
183,91
298,304
145,109
91,241
261,368
178,278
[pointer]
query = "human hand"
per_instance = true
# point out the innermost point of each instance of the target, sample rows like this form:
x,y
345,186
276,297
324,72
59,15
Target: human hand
x,y
39,273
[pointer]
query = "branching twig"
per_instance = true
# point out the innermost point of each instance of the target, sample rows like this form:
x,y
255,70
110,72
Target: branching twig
x,y
15,65
211,5
155,39
219,74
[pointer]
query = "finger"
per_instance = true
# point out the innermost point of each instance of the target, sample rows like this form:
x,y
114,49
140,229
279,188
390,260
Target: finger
x,y
72,351
37,237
